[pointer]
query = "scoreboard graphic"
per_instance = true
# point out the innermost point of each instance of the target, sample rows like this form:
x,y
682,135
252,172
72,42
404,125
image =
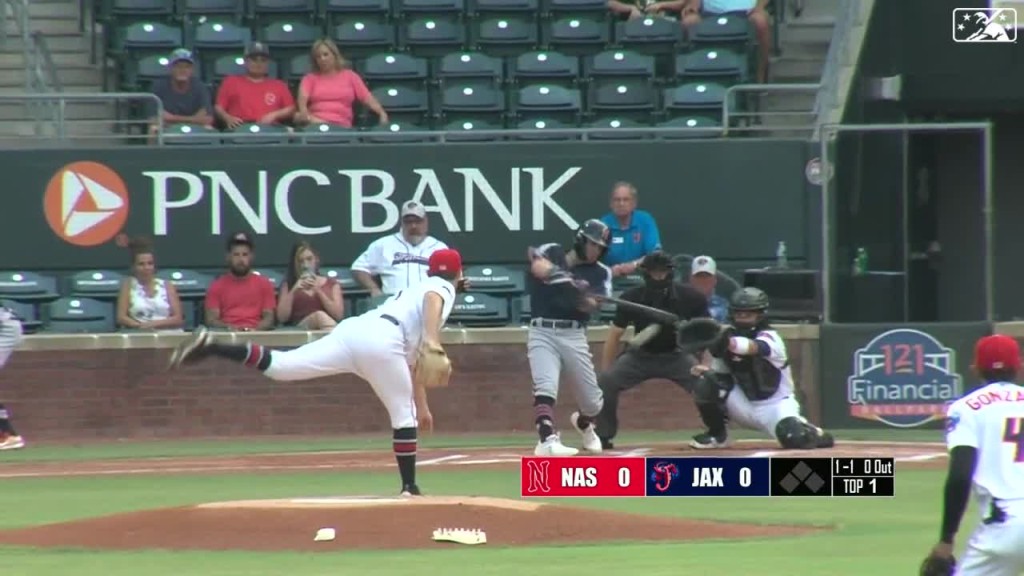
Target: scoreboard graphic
x,y
543,477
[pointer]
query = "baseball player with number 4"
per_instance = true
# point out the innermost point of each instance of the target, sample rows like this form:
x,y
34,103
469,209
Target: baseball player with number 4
x,y
396,347
985,436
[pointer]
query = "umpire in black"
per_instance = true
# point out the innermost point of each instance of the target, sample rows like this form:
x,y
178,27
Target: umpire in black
x,y
654,352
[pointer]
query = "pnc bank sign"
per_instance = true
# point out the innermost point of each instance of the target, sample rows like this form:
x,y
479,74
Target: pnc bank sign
x,y
87,203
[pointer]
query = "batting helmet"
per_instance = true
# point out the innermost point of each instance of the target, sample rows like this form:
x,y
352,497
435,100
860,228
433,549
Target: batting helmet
x,y
595,231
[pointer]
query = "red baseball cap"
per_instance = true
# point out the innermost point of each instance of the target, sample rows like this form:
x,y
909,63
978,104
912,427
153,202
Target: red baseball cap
x,y
446,260
997,352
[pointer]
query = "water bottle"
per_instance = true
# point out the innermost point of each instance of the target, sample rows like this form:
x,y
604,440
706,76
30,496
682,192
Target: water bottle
x,y
860,262
780,256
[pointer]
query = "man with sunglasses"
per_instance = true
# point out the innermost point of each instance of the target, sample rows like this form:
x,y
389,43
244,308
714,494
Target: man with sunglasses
x,y
254,97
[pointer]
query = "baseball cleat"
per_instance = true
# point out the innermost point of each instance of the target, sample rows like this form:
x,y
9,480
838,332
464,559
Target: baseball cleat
x,y
12,443
825,439
591,443
705,441
411,490
200,338
552,446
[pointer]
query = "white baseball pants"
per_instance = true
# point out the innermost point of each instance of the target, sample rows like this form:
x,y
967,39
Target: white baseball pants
x,y
762,415
996,549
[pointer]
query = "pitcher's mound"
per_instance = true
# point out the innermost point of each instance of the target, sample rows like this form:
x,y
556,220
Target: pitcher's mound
x,y
370,523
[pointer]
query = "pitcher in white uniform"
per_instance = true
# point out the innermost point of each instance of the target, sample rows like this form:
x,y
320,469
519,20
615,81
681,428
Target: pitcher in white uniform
x,y
379,346
750,382
985,436
10,336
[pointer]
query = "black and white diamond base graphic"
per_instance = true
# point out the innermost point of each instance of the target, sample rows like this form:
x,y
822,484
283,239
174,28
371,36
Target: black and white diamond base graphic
x,y
801,477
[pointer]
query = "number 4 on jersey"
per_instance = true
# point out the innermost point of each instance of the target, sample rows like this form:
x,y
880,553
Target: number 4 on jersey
x,y
1013,432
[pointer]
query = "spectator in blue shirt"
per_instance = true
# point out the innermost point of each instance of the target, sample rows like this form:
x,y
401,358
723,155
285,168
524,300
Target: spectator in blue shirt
x,y
704,277
634,234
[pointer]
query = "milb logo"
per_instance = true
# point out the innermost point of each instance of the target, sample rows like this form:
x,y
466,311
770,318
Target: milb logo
x,y
983,25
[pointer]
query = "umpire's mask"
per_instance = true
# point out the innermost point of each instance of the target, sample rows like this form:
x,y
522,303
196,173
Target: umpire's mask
x,y
657,269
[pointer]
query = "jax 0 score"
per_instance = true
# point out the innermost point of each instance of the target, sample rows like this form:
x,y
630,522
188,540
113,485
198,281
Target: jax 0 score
x,y
604,476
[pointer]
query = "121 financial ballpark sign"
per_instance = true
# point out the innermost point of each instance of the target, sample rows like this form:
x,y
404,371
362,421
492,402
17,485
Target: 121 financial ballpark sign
x,y
489,202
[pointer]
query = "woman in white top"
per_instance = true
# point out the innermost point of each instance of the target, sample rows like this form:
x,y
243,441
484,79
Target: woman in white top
x,y
147,302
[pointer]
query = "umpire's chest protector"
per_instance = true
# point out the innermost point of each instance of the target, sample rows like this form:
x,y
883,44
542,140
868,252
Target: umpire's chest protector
x,y
755,375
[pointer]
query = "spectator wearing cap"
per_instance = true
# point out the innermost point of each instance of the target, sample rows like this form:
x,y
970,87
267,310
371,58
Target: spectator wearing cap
x,y
704,277
185,99
254,97
239,299
400,260
328,93
634,234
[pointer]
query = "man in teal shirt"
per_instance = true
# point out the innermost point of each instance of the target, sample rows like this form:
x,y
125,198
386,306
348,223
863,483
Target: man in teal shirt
x,y
634,234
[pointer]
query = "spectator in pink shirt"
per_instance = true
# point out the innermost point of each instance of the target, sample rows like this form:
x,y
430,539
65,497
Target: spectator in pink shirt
x,y
326,95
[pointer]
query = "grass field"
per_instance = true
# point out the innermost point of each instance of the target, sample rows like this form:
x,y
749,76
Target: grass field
x,y
871,536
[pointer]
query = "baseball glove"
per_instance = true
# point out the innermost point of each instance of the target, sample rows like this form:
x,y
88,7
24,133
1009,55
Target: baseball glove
x,y
433,368
938,566
701,334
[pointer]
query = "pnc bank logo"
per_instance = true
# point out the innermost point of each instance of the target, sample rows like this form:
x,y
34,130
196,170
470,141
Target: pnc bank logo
x,y
86,203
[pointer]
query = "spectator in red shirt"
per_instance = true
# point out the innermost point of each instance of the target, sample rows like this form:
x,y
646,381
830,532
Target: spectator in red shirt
x,y
240,300
254,97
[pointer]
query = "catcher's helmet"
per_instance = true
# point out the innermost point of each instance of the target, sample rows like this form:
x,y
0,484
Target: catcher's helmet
x,y
595,231
749,299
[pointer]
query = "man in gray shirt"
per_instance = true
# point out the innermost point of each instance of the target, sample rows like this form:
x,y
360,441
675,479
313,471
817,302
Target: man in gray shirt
x,y
186,100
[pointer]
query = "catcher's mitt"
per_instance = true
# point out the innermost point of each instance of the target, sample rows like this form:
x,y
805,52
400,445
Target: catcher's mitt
x,y
701,334
938,566
433,368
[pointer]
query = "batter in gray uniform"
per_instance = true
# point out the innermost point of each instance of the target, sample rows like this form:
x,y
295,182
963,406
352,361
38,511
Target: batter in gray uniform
x,y
561,287
10,337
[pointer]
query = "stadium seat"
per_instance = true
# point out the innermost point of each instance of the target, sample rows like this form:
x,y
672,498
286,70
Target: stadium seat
x,y
578,36
467,130
490,8
194,10
25,286
26,314
634,98
543,123
364,305
287,38
403,103
126,11
335,11
432,8
395,69
731,31
652,35
395,132
623,283
325,134
343,275
619,65
433,37
140,74
296,67
702,128
262,134
505,35
214,39
469,100
70,315
520,310
611,128
551,68
479,309
591,8
275,276
466,65
190,135
364,37
496,279
191,285
144,38
696,98
551,102
710,64
228,65
262,11
96,284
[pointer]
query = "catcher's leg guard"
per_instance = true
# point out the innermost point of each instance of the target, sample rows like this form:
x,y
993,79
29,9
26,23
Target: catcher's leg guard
x,y
709,393
796,434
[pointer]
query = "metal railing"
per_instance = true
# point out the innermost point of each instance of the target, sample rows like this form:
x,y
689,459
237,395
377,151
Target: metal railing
x,y
841,54
41,76
18,10
753,120
61,129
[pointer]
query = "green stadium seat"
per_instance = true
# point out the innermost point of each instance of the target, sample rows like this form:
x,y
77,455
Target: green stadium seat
x,y
403,103
577,35
191,284
190,135
469,65
591,8
702,128
335,11
542,123
363,37
547,67
619,64
264,10
26,286
213,39
125,11
466,130
26,314
652,35
432,36
143,38
96,284
489,8
476,309
722,31
140,74
631,97
326,134
228,65
623,283
549,101
719,65
432,8
195,10
611,128
296,67
275,275
395,132
504,35
287,38
496,279
349,286
472,101
695,98
396,69
70,315
261,134
519,309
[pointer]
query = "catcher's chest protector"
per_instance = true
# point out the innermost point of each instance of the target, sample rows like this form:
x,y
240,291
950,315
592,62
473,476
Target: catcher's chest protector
x,y
756,376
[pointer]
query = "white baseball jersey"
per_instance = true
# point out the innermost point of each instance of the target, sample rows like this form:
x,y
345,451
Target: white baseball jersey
x,y
777,357
991,419
399,264
406,306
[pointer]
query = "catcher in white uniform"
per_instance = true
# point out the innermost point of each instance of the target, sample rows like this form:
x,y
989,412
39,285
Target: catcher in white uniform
x,y
10,337
985,436
750,383
396,347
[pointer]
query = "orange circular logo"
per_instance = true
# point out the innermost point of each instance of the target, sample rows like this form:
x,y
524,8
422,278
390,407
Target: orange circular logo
x,y
86,203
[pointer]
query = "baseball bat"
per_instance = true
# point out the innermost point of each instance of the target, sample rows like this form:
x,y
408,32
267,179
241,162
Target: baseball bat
x,y
649,311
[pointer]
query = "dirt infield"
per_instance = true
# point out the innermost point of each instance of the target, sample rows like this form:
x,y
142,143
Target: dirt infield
x,y
287,525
